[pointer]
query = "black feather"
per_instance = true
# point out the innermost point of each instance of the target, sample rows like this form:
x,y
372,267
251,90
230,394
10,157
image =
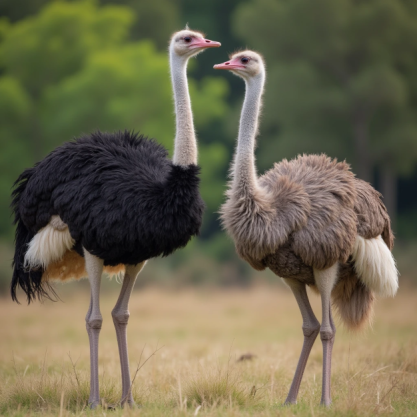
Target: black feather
x,y
29,280
121,197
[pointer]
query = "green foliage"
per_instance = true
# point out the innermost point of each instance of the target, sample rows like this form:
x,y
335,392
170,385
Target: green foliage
x,y
208,106
18,9
15,109
208,100
43,50
213,159
123,88
155,20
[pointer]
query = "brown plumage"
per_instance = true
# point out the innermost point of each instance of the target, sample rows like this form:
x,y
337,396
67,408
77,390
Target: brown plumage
x,y
310,221
311,211
72,267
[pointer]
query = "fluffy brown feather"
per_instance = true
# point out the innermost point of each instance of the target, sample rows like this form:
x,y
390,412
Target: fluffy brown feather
x,y
306,214
329,233
353,300
72,266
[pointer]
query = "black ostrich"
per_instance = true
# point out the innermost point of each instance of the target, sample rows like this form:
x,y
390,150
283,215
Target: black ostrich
x,y
110,201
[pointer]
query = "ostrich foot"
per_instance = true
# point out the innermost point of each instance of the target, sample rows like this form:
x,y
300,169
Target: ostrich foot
x,y
326,403
93,404
129,404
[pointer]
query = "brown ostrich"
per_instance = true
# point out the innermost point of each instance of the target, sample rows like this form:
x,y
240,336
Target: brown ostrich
x,y
312,223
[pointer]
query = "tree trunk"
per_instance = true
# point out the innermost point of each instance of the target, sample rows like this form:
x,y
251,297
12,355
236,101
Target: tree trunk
x,y
363,158
389,185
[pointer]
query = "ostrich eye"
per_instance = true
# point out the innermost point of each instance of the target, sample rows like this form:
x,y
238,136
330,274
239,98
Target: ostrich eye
x,y
187,39
244,60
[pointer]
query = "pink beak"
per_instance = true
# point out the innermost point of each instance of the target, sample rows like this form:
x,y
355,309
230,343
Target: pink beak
x,y
204,43
229,65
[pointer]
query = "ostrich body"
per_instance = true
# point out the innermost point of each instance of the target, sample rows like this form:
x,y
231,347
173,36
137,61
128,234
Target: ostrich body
x,y
110,202
312,222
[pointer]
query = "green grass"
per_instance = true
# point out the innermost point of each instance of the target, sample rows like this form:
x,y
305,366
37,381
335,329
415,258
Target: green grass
x,y
220,387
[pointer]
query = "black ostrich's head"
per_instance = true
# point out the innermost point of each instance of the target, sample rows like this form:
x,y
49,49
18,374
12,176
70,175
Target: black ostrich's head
x,y
187,43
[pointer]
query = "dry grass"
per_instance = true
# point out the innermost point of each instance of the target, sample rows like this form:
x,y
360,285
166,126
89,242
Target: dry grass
x,y
45,357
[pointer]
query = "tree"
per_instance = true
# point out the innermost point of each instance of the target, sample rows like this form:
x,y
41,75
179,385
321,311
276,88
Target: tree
x,y
155,20
19,9
41,51
15,108
342,80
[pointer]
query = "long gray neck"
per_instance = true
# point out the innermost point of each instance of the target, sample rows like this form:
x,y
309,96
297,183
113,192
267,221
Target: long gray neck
x,y
244,165
185,146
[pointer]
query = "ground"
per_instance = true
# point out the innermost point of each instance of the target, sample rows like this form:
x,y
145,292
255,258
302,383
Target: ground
x,y
193,339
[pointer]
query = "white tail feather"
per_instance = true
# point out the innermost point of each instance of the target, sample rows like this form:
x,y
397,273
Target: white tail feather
x,y
375,266
47,246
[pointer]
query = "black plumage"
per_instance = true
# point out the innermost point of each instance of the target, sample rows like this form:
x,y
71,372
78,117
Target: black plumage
x,y
120,195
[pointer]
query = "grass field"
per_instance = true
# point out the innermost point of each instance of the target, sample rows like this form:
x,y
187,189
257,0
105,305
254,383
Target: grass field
x,y
193,340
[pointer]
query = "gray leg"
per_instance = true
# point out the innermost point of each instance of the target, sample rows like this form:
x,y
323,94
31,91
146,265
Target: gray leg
x,y
94,267
121,315
325,280
311,328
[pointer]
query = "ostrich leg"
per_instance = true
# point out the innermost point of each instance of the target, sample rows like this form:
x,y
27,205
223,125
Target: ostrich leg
x,y
94,320
311,328
121,315
325,280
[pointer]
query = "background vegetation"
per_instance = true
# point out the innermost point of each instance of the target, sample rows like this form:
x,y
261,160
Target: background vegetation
x,y
341,80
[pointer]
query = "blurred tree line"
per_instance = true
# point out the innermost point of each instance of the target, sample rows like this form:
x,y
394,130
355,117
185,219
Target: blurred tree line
x,y
342,79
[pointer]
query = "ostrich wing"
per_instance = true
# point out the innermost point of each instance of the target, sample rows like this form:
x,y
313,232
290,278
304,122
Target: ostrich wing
x,y
119,194
329,233
372,216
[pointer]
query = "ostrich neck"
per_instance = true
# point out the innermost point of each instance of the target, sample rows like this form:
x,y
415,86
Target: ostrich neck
x,y
244,167
185,146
